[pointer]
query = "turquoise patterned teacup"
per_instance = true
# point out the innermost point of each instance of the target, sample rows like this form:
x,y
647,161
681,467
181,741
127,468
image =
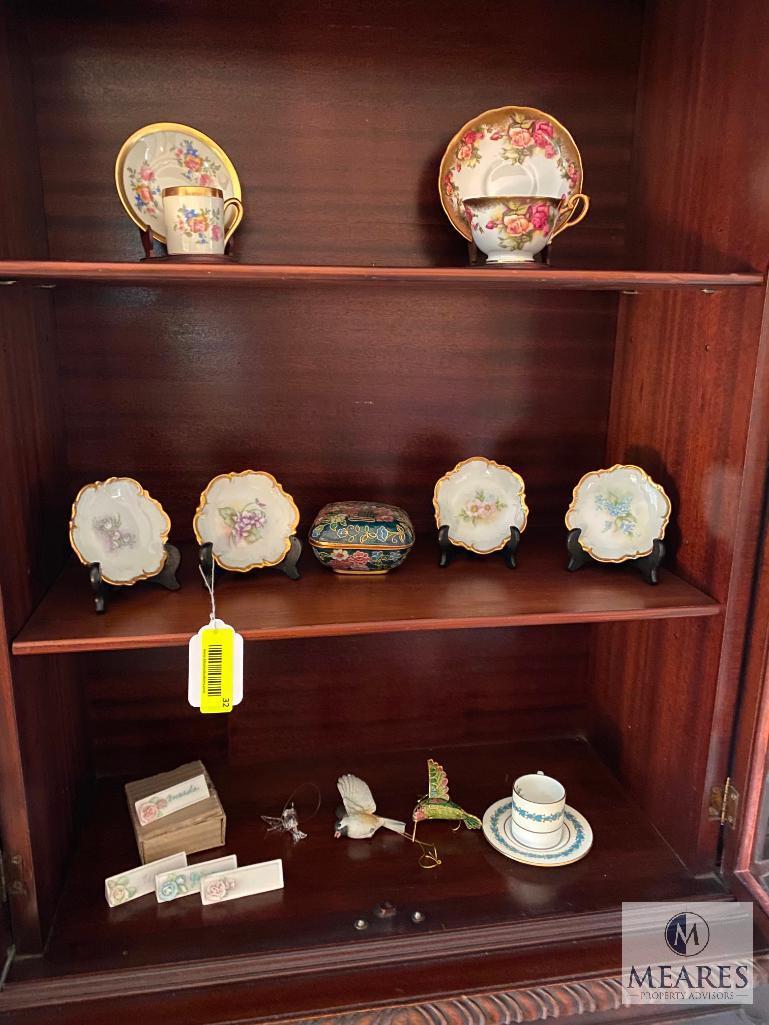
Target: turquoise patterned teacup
x,y
536,818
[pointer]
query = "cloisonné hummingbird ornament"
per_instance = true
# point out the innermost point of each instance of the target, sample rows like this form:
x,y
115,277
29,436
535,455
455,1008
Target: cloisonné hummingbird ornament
x,y
436,803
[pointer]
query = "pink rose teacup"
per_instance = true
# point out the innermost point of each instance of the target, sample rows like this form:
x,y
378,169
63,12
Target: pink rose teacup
x,y
513,229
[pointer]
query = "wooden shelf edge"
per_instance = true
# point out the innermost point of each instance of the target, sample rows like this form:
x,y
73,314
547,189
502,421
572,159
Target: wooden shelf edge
x,y
161,273
128,642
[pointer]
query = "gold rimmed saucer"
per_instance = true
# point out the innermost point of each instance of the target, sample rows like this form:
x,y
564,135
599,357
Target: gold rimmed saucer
x,y
168,155
514,151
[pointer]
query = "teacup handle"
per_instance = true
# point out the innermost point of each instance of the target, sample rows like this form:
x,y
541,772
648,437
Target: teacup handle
x,y
238,207
567,210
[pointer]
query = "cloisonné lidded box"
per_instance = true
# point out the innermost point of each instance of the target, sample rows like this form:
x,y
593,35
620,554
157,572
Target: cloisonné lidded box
x,y
362,538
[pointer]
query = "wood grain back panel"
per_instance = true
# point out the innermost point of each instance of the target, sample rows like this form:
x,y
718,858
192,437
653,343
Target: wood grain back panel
x,y
340,393
335,114
352,695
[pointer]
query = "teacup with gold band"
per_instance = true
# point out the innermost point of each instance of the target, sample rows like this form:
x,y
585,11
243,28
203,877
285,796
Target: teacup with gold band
x,y
195,219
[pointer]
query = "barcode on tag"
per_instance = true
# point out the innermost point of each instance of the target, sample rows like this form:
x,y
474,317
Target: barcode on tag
x,y
216,671
213,671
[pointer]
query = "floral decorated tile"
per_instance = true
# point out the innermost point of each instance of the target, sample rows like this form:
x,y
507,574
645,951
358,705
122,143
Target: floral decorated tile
x,y
510,151
122,527
480,500
248,518
619,512
164,155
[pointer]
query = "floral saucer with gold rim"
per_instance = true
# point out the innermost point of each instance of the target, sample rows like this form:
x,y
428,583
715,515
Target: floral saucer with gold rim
x,y
122,527
162,156
479,501
248,519
620,512
509,151
576,839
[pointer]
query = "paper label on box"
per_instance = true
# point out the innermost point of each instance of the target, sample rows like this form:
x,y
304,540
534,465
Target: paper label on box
x,y
136,882
166,802
242,882
184,881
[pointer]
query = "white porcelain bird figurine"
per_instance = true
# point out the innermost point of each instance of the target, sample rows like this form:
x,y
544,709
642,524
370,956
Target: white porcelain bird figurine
x,y
359,821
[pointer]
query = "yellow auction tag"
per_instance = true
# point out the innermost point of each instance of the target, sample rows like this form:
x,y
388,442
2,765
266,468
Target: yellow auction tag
x,y
216,666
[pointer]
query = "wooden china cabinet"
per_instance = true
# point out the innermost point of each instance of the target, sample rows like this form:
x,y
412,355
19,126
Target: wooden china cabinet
x,y
353,352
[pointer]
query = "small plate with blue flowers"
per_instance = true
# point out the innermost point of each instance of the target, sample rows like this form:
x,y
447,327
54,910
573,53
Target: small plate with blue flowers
x,y
576,841
619,512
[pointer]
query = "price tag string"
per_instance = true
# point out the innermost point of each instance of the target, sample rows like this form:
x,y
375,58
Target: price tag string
x,y
210,589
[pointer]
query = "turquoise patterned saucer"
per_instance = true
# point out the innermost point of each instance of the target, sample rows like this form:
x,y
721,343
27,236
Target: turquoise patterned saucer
x,y
576,842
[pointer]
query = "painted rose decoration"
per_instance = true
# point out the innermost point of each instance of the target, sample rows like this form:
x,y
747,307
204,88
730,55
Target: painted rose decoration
x,y
481,508
201,224
474,164
216,889
146,191
119,890
197,169
149,811
517,223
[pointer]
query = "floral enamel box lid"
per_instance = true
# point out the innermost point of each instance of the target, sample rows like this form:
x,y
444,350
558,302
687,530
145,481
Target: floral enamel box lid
x,y
362,523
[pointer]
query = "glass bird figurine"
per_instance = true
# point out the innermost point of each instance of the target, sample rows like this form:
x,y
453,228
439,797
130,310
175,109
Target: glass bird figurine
x,y
287,821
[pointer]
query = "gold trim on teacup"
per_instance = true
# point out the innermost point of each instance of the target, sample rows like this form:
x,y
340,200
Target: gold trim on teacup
x,y
499,466
601,473
166,126
515,199
192,190
204,501
456,218
142,494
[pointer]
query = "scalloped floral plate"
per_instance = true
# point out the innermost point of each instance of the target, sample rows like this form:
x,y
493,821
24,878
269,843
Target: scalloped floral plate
x,y
620,512
576,841
122,527
164,155
248,518
480,500
509,151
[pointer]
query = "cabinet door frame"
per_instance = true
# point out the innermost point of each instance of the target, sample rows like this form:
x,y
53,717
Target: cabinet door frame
x,y
750,755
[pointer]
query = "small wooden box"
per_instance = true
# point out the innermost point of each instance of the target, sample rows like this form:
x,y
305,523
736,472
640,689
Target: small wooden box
x,y
195,828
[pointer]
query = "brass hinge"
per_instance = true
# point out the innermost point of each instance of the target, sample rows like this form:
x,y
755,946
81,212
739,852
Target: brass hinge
x,y
723,804
11,877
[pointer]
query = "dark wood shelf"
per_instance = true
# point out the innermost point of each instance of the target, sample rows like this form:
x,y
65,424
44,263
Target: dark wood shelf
x,y
168,273
477,900
267,606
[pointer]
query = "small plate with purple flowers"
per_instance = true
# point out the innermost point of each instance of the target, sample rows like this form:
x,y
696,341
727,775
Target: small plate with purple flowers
x,y
122,527
619,512
248,519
